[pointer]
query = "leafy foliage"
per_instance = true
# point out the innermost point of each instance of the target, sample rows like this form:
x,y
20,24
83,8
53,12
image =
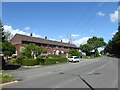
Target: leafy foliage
x,y
32,49
74,52
29,62
7,48
96,53
2,37
113,46
86,48
96,42
51,59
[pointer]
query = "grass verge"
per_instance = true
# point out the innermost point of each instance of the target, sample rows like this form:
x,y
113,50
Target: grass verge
x,y
4,78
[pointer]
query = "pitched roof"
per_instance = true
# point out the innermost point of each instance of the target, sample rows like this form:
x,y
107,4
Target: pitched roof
x,y
43,41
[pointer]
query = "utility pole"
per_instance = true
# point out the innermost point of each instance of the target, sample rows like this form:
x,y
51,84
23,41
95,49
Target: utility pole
x,y
70,38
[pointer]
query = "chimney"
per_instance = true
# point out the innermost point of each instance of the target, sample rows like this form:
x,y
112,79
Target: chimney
x,y
45,37
31,34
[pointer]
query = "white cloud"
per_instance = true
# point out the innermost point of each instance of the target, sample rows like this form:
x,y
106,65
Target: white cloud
x,y
66,40
114,16
81,41
75,35
100,13
27,28
15,31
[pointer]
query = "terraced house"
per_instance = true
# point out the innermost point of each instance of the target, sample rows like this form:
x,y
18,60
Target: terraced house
x,y
53,47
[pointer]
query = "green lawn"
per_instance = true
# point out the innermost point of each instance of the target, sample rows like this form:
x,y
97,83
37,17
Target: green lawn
x,y
5,77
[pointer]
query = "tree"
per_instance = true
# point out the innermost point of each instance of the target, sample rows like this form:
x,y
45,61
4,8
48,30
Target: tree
x,y
96,53
96,42
113,46
108,48
74,52
32,50
8,36
2,36
8,49
86,48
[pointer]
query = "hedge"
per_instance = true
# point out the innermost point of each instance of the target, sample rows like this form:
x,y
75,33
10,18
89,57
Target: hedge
x,y
55,56
50,61
20,58
40,59
29,62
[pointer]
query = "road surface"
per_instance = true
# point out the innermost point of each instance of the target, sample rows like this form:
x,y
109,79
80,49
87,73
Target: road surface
x,y
89,73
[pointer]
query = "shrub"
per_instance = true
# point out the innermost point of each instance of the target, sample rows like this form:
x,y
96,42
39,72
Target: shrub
x,y
13,60
96,53
85,57
40,59
53,56
62,60
29,62
49,61
20,58
74,52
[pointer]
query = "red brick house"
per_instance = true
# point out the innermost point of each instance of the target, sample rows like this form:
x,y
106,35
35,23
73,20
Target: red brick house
x,y
52,46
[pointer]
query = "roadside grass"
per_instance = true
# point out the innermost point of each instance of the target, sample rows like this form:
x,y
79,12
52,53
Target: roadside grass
x,y
4,78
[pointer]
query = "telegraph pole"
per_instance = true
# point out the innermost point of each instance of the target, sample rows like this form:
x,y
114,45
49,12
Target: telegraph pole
x,y
70,38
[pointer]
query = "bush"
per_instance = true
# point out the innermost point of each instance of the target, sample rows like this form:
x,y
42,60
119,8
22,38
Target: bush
x,y
85,57
20,58
29,62
53,56
62,60
13,60
40,59
74,52
49,61
97,53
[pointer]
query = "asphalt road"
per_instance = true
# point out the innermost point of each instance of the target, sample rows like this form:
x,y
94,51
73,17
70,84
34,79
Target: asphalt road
x,y
92,73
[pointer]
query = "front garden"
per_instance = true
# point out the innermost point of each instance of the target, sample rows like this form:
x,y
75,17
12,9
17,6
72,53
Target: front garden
x,y
40,60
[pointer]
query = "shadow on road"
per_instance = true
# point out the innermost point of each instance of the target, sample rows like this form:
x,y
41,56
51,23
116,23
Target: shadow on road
x,y
11,67
7,65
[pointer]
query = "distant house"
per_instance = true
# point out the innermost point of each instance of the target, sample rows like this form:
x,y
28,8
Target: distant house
x,y
53,47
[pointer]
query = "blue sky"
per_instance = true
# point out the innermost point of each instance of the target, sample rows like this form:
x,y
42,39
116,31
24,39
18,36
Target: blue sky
x,y
58,20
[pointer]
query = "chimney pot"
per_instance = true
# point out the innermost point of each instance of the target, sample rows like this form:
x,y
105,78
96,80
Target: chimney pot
x,y
45,37
31,34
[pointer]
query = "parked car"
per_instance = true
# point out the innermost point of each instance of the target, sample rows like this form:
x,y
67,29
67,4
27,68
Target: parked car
x,y
74,59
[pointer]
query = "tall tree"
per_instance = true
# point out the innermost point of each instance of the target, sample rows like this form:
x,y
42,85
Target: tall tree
x,y
86,48
2,36
113,46
96,42
7,49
